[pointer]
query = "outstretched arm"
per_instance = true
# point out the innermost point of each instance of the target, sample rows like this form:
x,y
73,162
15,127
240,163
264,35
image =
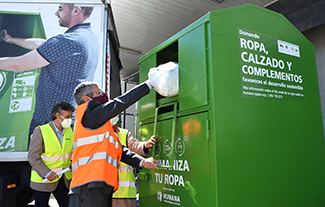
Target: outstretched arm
x,y
98,114
28,61
134,159
141,148
28,43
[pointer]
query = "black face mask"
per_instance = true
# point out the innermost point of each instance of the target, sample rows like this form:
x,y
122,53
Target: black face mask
x,y
101,99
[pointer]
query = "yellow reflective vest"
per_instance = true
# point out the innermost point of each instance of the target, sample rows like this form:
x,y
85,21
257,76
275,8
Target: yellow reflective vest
x,y
127,188
55,157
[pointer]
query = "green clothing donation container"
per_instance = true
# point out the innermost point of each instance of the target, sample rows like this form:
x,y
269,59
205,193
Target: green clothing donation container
x,y
17,89
246,128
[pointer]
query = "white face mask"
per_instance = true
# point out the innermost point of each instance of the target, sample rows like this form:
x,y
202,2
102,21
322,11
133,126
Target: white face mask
x,y
66,122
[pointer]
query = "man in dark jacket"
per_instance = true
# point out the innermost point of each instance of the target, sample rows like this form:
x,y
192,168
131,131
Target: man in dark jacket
x,y
91,185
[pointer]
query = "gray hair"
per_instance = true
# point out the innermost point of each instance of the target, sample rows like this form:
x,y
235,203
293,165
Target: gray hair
x,y
83,89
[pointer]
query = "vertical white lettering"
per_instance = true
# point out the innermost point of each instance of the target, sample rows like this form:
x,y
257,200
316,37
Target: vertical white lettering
x,y
180,165
2,140
243,69
262,48
171,179
157,177
166,179
11,142
281,64
181,181
268,62
251,58
176,179
242,56
250,44
243,43
256,45
186,167
289,65
275,63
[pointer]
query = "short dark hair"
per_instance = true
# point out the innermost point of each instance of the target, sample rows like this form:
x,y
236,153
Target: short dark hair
x,y
83,89
59,107
86,11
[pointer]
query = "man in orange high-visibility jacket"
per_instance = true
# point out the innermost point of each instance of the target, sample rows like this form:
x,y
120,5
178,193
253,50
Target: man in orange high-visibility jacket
x,y
96,148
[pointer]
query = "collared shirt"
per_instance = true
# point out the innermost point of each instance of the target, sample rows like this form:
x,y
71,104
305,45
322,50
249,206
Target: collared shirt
x,y
60,135
73,58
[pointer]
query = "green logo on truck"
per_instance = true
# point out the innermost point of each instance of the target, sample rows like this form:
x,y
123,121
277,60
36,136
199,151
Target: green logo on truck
x,y
2,80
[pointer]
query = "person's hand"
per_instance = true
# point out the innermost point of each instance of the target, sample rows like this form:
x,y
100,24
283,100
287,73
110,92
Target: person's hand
x,y
6,37
150,163
148,82
150,142
52,176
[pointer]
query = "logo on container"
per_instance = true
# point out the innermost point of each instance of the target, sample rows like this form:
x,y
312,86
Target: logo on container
x,y
288,48
180,147
15,105
2,80
159,196
167,147
168,198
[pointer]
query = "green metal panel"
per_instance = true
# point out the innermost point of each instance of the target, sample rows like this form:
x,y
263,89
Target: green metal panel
x,y
260,109
192,70
17,90
180,184
148,103
269,137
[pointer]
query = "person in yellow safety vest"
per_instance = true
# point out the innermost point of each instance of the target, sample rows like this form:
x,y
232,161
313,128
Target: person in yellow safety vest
x,y
125,196
49,153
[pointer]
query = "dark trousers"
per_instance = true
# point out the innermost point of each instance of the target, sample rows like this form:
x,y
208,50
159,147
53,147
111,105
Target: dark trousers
x,y
60,193
90,197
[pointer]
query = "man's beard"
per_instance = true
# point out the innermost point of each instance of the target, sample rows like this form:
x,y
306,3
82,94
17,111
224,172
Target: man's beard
x,y
63,23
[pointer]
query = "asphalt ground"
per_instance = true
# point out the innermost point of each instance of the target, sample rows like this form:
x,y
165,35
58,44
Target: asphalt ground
x,y
52,202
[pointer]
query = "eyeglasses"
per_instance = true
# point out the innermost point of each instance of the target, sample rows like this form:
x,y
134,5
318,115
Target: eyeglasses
x,y
100,92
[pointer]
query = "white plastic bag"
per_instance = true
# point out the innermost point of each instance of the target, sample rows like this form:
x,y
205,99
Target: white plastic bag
x,y
164,79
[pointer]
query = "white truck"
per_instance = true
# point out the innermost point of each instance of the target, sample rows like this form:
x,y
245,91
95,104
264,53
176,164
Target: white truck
x,y
35,19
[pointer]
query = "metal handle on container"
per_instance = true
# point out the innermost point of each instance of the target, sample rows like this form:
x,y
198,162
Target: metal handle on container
x,y
171,161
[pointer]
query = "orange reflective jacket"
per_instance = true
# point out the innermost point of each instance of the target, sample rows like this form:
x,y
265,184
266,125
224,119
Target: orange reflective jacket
x,y
96,153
